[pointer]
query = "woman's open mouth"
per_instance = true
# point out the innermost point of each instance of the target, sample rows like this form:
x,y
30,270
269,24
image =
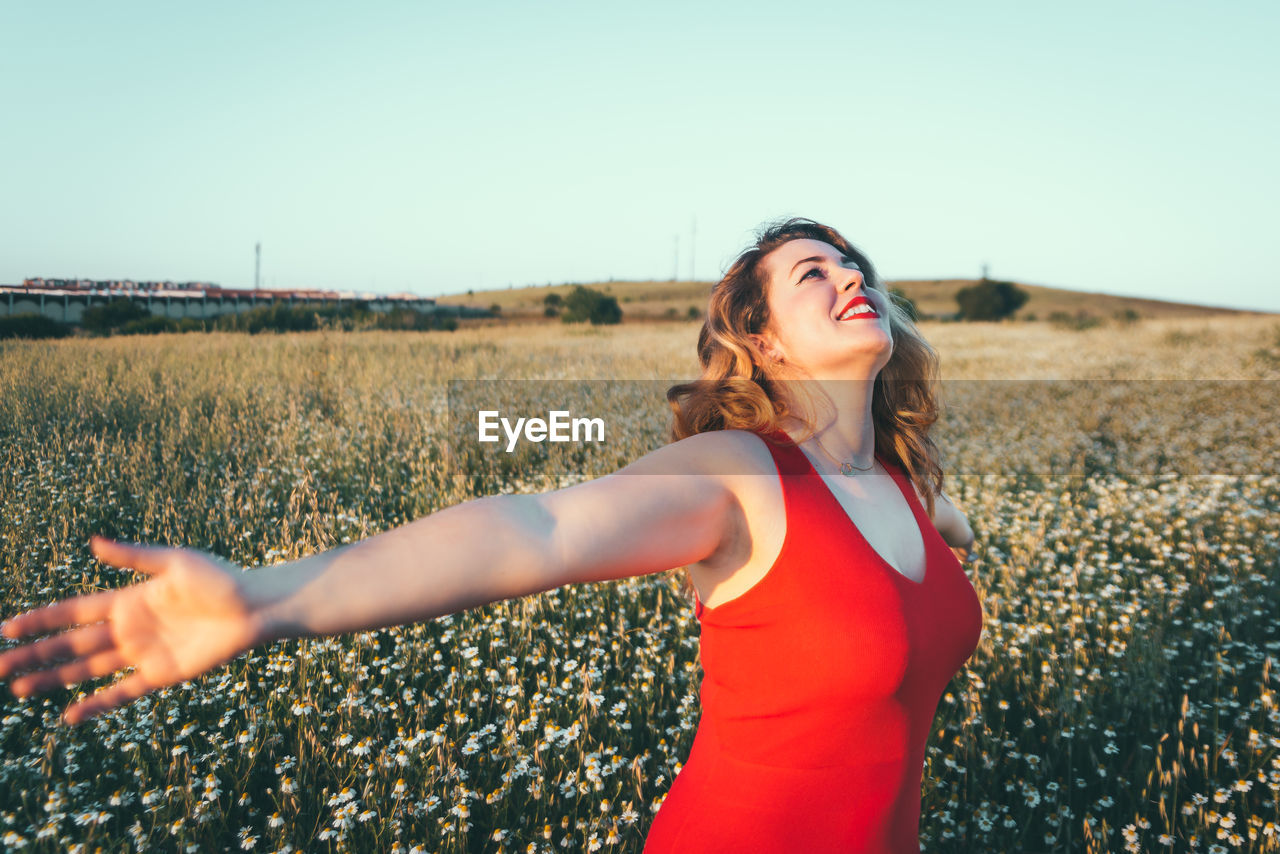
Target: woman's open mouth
x,y
858,307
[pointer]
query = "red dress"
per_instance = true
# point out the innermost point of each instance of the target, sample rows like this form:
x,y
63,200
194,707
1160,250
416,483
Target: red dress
x,y
819,689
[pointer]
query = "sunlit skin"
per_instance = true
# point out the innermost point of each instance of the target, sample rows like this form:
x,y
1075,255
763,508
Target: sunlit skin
x,y
711,510
190,617
842,357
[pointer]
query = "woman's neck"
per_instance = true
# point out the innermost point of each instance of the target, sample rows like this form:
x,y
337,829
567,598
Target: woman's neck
x,y
840,412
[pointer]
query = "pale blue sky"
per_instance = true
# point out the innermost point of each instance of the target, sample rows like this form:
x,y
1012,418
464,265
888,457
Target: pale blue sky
x,y
1118,147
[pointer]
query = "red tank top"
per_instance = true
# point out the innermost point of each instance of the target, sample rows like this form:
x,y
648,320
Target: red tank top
x,y
819,689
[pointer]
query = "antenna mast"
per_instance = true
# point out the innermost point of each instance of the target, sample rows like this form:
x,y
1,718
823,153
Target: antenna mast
x,y
693,237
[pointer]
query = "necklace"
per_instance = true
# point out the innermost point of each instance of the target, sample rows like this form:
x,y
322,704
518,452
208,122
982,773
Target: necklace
x,y
848,469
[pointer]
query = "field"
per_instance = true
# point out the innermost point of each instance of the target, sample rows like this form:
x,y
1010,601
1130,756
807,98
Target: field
x,y
1120,697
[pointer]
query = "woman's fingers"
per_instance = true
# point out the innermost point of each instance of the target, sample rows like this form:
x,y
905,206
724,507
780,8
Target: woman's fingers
x,y
76,643
126,690
93,607
71,673
148,559
78,610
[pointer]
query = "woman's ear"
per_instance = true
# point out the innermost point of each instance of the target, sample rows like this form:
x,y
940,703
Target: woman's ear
x,y
767,348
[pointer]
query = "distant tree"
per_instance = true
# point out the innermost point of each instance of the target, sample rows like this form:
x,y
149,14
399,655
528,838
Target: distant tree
x,y
277,317
990,300
148,326
103,319
693,313
402,317
552,300
586,304
32,326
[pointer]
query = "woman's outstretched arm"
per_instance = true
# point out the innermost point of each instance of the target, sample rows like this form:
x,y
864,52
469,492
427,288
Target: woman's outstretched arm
x,y
195,612
643,519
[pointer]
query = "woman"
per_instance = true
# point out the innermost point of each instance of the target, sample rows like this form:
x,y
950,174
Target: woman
x,y
832,613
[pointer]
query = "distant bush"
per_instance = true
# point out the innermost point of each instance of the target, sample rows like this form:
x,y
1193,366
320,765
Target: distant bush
x,y
671,313
104,319
148,326
156,324
693,313
586,304
552,300
1080,320
408,318
277,317
32,326
990,300
122,317
1126,316
347,317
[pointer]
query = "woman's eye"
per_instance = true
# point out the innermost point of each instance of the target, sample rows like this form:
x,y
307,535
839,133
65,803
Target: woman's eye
x,y
817,270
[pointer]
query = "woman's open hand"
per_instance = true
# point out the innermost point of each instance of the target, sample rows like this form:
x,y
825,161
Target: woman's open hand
x,y
191,615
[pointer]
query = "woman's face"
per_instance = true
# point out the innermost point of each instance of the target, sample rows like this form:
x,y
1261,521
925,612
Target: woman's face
x,y
815,326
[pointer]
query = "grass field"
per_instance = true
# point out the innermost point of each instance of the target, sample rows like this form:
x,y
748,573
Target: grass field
x,y
1121,697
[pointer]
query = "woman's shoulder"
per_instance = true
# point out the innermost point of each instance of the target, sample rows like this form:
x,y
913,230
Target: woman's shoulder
x,y
727,452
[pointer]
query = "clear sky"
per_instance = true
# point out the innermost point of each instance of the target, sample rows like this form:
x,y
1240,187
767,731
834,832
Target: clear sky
x,y
1122,147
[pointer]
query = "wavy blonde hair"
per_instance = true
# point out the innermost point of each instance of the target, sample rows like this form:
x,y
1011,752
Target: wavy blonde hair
x,y
738,390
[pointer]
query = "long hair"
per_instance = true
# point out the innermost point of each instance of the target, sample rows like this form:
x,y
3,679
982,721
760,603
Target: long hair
x,y
738,390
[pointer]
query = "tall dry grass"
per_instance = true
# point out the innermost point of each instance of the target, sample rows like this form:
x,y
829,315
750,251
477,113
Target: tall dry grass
x,y
1120,698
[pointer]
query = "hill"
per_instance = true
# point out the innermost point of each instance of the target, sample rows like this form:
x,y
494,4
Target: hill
x,y
935,299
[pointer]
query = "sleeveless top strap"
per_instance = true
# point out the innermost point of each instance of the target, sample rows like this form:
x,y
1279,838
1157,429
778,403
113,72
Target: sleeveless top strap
x,y
786,454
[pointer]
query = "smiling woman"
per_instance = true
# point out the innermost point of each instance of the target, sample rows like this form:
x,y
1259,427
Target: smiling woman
x,y
784,300
797,489
832,623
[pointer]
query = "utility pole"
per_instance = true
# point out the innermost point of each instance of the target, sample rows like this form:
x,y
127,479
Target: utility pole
x,y
984,271
257,263
693,238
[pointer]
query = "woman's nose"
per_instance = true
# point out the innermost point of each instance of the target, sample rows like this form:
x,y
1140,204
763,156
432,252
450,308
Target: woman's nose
x,y
853,279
